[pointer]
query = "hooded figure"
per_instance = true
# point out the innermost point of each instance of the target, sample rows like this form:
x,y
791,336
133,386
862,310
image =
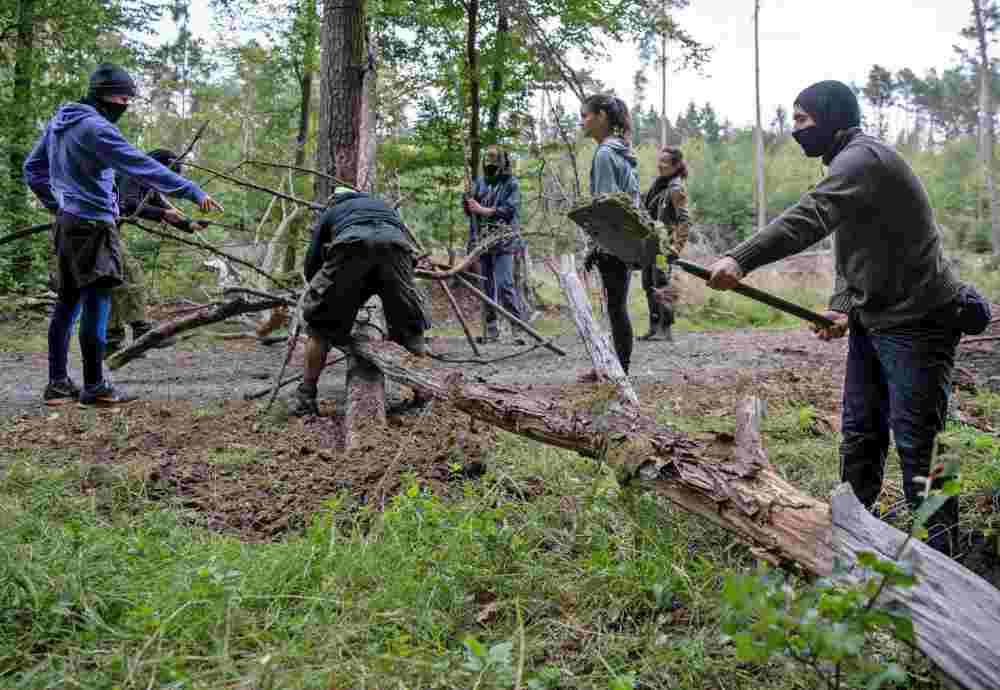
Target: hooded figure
x,y
896,296
71,169
495,206
834,108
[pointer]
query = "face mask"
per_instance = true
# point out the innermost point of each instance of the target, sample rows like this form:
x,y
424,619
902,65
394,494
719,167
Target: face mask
x,y
491,170
112,111
814,141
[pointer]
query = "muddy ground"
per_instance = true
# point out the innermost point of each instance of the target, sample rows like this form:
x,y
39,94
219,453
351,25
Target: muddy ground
x,y
196,442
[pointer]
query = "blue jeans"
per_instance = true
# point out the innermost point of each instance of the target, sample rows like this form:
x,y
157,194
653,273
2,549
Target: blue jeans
x,y
95,304
897,379
498,269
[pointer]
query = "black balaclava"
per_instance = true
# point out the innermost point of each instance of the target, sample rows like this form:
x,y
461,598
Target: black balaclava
x,y
109,80
165,157
834,107
493,165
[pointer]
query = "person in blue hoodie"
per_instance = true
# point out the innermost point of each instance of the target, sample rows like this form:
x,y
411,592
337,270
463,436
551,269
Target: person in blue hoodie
x,y
71,170
606,120
494,205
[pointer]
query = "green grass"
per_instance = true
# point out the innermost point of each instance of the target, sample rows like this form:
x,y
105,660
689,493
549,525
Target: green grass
x,y
607,588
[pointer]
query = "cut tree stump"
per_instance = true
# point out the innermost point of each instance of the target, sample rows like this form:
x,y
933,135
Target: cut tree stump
x,y
602,354
365,383
202,317
731,482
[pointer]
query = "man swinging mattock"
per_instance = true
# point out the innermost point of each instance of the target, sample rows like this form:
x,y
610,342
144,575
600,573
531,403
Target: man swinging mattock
x,y
895,292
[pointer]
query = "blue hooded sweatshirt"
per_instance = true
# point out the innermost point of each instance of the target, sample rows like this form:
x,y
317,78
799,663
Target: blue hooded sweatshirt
x,y
72,166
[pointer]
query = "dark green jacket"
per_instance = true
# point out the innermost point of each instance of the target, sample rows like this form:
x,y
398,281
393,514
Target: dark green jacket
x,y
889,259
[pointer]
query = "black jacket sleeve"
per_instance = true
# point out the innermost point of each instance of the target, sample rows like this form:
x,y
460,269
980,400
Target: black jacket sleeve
x,y
131,194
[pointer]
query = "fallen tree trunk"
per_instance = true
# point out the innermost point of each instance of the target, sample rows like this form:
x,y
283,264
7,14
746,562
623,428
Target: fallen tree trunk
x,y
603,356
731,482
209,314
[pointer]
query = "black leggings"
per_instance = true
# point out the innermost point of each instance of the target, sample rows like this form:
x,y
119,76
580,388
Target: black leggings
x,y
615,275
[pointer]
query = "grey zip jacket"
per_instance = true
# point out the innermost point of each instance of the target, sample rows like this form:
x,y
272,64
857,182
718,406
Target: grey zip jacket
x,y
889,258
613,169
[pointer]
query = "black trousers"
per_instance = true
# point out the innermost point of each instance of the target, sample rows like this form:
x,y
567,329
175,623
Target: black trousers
x,y
616,275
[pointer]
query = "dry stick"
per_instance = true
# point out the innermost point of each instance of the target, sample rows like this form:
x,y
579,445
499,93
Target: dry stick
x,y
525,327
207,248
484,362
461,318
333,178
26,232
291,379
983,339
151,191
259,188
258,293
292,342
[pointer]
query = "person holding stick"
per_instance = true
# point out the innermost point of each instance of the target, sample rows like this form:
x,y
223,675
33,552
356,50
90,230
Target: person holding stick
x,y
128,300
896,296
71,170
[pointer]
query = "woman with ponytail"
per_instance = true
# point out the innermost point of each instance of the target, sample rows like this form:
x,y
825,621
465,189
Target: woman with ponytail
x,y
666,201
606,121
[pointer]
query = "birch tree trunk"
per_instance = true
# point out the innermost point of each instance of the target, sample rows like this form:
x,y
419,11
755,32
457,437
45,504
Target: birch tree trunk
x,y
987,136
759,131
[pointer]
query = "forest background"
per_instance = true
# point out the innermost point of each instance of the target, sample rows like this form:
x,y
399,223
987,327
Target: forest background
x,y
445,78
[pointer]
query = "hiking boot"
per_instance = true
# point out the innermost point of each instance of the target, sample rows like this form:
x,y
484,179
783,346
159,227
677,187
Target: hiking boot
x,y
141,328
667,334
104,395
60,392
653,334
304,402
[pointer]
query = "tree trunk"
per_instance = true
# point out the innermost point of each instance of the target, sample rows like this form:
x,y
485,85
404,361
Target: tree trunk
x,y
759,131
730,482
602,354
987,137
369,142
500,61
365,384
21,129
664,39
472,62
341,86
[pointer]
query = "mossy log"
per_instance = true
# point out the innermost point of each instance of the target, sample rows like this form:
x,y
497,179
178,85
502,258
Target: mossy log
x,y
620,228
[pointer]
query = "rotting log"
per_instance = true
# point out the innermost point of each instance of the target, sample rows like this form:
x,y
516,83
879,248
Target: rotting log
x,y
365,385
602,354
731,482
202,317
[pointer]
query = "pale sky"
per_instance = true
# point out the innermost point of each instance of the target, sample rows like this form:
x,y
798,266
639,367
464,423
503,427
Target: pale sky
x,y
801,42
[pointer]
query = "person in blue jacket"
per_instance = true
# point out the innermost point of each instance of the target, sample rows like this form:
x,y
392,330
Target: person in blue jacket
x,y
494,205
71,170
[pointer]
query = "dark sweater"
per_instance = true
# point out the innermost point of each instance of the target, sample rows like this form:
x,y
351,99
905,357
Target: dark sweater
x,y
354,217
889,259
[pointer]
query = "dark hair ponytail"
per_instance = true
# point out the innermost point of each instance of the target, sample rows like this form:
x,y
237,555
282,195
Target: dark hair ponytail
x,y
677,158
619,121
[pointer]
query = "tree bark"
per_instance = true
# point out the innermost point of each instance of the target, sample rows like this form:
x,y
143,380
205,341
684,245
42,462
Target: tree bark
x,y
305,106
602,354
731,482
472,64
367,162
341,86
664,40
987,137
365,387
202,317
20,132
496,85
759,131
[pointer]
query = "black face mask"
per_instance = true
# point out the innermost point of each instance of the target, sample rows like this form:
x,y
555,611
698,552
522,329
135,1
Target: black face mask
x,y
112,111
815,141
491,170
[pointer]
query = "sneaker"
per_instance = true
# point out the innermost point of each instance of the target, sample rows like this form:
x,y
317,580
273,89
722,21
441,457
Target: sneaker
x,y
61,392
304,402
105,395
